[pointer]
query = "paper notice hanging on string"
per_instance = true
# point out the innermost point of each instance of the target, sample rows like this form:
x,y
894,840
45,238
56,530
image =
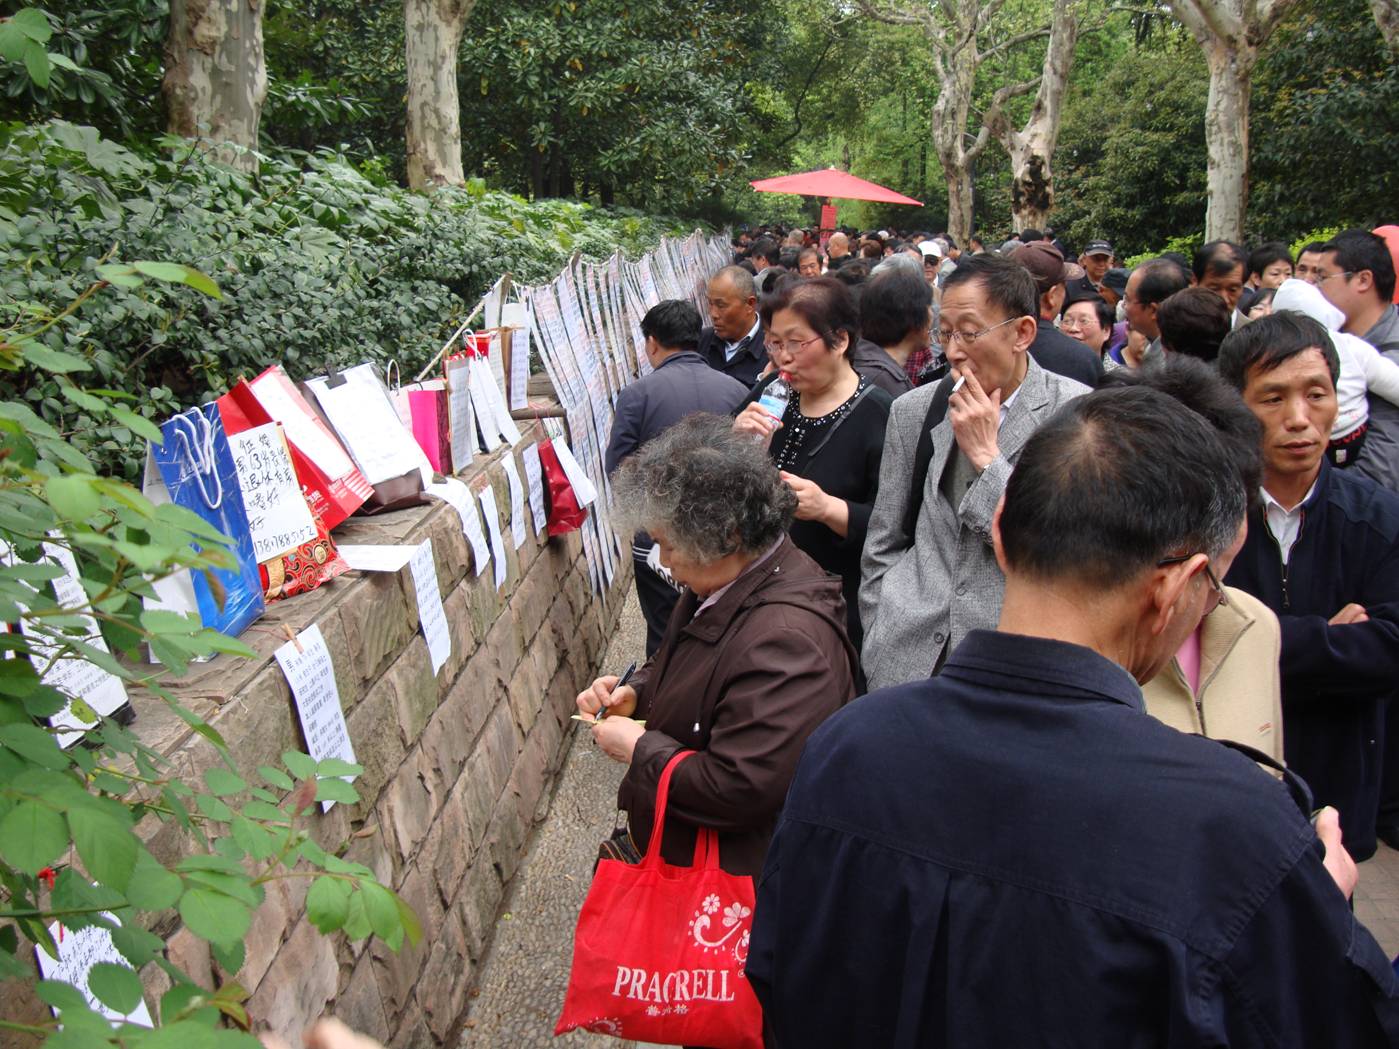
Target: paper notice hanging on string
x,y
376,558
459,495
517,501
311,674
583,488
461,419
515,317
492,515
278,516
534,475
431,614
78,951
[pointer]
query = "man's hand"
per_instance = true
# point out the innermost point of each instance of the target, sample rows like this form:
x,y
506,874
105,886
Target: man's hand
x,y
1337,860
756,421
617,736
1352,613
976,418
329,1033
604,693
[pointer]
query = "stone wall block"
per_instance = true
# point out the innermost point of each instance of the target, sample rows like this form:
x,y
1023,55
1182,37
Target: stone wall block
x,y
484,602
448,849
526,696
273,923
412,1033
360,1006
450,550
379,620
297,986
531,772
505,839
397,972
447,740
459,624
405,810
533,598
373,727
446,980
337,641
414,689
192,956
476,904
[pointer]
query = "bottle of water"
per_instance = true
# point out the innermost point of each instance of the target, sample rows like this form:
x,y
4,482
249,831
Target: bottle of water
x,y
776,397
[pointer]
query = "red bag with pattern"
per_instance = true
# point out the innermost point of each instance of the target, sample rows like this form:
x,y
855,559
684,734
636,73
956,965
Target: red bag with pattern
x,y
659,952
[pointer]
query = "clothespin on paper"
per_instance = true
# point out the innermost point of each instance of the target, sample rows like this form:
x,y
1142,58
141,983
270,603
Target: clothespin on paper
x,y
291,634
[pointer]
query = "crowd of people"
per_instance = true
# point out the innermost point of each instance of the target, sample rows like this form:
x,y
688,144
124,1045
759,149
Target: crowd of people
x,y
1110,559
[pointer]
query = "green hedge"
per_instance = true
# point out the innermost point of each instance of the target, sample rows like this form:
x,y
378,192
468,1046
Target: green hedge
x,y
318,263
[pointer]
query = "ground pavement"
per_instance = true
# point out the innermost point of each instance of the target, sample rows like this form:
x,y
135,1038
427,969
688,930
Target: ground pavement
x,y
524,976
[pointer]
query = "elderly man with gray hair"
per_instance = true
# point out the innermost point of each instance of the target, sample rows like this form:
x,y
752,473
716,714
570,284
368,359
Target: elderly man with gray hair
x,y
755,655
733,343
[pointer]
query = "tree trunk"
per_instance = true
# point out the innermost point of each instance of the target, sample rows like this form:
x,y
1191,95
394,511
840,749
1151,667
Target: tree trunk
x,y
950,114
1387,18
1031,149
961,194
432,36
1226,137
216,77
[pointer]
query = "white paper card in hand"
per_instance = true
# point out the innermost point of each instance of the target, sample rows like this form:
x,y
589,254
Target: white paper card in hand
x,y
376,558
577,477
278,516
492,515
431,615
311,674
517,501
78,951
534,475
459,495
100,689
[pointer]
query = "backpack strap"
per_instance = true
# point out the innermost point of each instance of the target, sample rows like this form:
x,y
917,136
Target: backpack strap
x,y
923,456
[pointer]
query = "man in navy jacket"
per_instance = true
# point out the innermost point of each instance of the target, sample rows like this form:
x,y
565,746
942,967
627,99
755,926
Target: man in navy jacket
x,y
1014,853
1323,553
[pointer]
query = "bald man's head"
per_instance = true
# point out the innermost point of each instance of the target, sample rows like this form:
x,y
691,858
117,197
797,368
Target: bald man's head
x,y
838,245
733,303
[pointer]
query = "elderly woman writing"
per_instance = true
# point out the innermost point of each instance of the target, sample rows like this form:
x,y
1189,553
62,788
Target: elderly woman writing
x,y
755,655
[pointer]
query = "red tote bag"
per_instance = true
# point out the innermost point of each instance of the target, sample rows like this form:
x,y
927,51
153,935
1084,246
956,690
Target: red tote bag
x,y
565,515
659,952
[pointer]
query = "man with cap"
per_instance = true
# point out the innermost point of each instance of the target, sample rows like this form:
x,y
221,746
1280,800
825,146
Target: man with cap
x,y
1052,349
1095,261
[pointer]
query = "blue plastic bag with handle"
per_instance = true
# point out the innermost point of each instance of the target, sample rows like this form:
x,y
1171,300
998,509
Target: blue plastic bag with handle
x,y
194,469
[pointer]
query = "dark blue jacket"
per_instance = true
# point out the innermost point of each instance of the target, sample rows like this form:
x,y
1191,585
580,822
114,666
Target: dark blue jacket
x,y
1335,679
747,364
682,385
1013,853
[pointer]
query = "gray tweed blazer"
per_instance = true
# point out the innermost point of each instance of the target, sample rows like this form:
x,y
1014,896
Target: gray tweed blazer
x,y
919,601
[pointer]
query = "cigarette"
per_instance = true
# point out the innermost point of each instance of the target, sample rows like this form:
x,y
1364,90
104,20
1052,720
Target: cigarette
x,y
958,384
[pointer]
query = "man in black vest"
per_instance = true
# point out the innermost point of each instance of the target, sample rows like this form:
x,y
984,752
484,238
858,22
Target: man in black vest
x,y
734,343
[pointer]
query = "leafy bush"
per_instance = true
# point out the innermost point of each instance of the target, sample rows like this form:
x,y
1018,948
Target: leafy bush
x,y
319,266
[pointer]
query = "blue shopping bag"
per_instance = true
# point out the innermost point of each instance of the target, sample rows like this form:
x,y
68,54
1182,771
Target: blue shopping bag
x,y
194,469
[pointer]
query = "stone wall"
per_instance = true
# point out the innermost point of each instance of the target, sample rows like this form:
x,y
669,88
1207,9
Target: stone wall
x,y
457,768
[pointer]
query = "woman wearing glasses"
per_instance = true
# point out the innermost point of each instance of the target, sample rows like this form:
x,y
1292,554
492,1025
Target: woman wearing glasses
x,y
830,440
1224,682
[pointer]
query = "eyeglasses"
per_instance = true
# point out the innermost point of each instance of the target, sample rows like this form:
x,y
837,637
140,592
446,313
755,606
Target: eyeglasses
x,y
792,345
1220,598
966,338
1322,278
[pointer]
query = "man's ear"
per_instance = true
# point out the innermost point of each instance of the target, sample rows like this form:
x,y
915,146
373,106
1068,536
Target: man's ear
x,y
1026,328
1365,280
1167,586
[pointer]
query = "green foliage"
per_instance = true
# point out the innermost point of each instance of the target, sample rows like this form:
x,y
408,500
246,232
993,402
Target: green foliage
x,y
1312,236
316,265
87,801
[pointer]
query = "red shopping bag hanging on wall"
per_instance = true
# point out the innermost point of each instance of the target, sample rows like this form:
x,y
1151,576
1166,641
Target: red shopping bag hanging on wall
x,y
659,952
565,515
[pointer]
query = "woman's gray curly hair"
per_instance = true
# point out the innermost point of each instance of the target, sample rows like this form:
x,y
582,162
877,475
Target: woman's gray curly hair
x,y
712,492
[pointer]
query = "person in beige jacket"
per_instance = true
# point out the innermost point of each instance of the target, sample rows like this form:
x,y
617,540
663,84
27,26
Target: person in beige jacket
x,y
1225,681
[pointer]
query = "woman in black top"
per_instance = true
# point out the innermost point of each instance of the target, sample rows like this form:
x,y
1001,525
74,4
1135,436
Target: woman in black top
x,y
829,442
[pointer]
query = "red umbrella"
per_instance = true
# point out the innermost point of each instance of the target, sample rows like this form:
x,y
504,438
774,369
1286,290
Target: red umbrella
x,y
831,182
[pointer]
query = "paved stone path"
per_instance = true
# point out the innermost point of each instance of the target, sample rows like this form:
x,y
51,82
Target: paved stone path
x,y
526,972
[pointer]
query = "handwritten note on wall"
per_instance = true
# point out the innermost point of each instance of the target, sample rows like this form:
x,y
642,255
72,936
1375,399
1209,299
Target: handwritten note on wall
x,y
431,614
459,496
534,475
311,674
517,501
78,951
492,515
278,516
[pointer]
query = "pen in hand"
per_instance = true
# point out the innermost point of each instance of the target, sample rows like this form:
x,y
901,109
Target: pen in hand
x,y
626,676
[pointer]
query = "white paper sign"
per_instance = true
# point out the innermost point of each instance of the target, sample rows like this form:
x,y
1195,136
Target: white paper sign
x,y
577,477
513,315
459,495
431,614
78,951
280,400
517,501
534,475
278,516
365,420
488,509
461,419
376,558
311,674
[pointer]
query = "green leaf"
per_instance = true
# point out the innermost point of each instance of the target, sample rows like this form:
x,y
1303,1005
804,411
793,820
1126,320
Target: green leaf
x,y
32,742
218,864
336,790
34,24
381,908
121,276
357,925
59,995
327,903
116,986
137,424
212,915
213,808
338,767
302,766
231,955
167,271
137,945
255,841
275,777
73,496
107,848
36,63
152,887
222,782
52,360
32,836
